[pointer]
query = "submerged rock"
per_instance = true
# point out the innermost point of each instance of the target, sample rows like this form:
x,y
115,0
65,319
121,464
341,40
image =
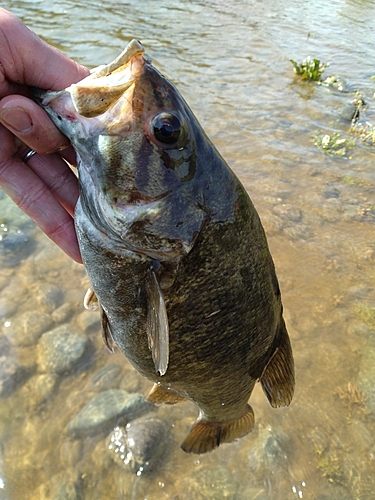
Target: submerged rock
x,y
107,409
107,377
12,374
15,246
39,388
65,485
141,444
208,483
26,328
61,349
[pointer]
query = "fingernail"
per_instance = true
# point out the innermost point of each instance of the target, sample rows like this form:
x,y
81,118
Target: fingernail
x,y
16,119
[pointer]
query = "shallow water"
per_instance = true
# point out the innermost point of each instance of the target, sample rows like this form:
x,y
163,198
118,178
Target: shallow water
x,y
230,60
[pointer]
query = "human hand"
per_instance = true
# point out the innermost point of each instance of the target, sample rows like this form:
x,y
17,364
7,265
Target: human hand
x,y
45,187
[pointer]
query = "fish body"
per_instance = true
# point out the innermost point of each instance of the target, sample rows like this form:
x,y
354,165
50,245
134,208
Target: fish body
x,y
174,249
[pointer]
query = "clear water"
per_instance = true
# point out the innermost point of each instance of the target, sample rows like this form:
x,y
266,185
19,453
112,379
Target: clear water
x,y
230,60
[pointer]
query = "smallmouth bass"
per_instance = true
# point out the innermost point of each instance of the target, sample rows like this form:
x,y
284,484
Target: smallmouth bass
x,y
174,249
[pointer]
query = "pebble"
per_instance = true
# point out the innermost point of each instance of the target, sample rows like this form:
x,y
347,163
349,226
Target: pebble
x,y
208,483
60,349
107,409
15,246
12,374
11,298
331,192
89,322
366,376
49,297
288,211
50,259
141,444
26,328
63,313
107,377
63,486
39,388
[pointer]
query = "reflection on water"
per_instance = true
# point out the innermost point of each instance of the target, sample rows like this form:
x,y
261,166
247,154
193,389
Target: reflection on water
x,y
230,61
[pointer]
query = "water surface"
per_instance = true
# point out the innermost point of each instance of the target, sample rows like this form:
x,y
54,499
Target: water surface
x,y
230,60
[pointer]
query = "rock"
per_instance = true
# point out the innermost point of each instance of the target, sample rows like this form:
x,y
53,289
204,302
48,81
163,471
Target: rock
x,y
107,377
141,444
26,328
208,483
39,388
11,298
63,313
366,376
289,212
12,374
89,321
51,259
331,192
63,486
49,297
107,409
61,349
15,246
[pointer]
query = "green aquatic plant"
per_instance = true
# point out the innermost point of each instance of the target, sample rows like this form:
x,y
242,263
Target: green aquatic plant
x,y
364,131
366,314
331,469
332,144
309,69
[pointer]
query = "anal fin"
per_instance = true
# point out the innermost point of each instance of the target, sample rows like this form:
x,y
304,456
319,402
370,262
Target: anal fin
x,y
206,436
278,377
160,394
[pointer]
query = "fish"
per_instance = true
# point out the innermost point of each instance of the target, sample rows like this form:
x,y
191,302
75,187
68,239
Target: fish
x,y
174,249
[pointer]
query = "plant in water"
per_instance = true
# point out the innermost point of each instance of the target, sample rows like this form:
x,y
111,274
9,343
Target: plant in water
x,y
364,131
332,144
309,69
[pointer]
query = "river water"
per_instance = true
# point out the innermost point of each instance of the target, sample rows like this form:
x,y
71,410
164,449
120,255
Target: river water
x,y
230,60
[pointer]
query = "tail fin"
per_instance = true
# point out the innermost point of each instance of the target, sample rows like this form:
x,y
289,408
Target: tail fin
x,y
206,436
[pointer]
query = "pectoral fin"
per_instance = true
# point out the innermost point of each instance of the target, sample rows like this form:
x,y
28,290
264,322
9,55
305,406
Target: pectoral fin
x,y
278,377
206,436
106,331
160,394
157,324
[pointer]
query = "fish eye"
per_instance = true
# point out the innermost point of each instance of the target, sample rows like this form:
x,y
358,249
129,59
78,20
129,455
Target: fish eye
x,y
166,127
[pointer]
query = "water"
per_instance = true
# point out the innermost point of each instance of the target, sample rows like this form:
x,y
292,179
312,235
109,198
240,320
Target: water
x,y
231,63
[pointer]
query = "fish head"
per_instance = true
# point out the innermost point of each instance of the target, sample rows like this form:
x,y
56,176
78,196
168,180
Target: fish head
x,y
136,142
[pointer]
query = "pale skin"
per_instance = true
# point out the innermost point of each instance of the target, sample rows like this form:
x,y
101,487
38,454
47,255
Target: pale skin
x,y
45,187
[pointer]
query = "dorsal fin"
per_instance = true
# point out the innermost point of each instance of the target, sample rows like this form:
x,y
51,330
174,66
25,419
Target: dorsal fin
x,y
157,324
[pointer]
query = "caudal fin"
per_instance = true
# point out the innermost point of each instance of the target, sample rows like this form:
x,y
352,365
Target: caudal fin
x,y
278,377
206,436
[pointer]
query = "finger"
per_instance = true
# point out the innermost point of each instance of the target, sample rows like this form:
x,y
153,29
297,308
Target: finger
x,y
25,58
58,177
33,196
31,124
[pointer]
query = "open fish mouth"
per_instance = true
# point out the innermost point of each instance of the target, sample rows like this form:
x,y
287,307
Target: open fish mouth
x,y
101,102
